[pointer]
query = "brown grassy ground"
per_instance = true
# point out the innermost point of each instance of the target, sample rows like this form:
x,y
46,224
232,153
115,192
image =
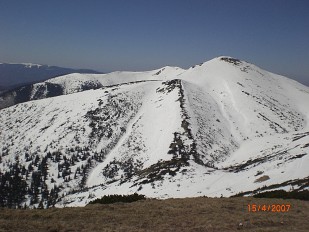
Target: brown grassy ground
x,y
190,214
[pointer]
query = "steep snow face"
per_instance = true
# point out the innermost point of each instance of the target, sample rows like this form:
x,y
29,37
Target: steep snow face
x,y
143,143
252,100
218,128
210,125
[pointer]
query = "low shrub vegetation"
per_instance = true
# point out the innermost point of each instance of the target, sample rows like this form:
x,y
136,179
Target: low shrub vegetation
x,y
110,199
301,195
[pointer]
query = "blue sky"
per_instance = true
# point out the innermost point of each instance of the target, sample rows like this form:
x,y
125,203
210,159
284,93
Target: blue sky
x,y
142,35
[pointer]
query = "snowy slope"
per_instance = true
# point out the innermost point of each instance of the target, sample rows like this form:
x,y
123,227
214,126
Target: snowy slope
x,y
218,128
77,82
73,82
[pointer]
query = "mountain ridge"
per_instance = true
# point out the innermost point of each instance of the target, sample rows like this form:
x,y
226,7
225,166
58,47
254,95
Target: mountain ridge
x,y
219,128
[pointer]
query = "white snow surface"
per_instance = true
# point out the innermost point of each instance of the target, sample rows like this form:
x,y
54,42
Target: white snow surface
x,y
244,122
72,82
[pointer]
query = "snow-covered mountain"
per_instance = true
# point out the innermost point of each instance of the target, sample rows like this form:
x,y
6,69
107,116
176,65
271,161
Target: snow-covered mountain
x,y
77,82
219,128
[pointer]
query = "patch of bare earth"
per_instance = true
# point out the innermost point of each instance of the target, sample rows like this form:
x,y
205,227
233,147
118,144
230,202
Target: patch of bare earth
x,y
189,214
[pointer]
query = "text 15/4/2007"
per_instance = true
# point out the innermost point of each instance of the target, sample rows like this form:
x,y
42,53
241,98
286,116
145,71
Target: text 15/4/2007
x,y
275,208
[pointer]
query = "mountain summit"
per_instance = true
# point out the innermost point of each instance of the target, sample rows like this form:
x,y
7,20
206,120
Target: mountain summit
x,y
218,128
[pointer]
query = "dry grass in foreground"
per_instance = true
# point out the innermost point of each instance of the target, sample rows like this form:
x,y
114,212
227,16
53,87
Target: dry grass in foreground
x,y
190,214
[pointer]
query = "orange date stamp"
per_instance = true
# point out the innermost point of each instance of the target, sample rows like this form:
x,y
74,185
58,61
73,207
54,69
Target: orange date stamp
x,y
275,208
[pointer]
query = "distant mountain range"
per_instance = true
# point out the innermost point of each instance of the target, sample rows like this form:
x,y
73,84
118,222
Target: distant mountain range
x,y
14,75
219,128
